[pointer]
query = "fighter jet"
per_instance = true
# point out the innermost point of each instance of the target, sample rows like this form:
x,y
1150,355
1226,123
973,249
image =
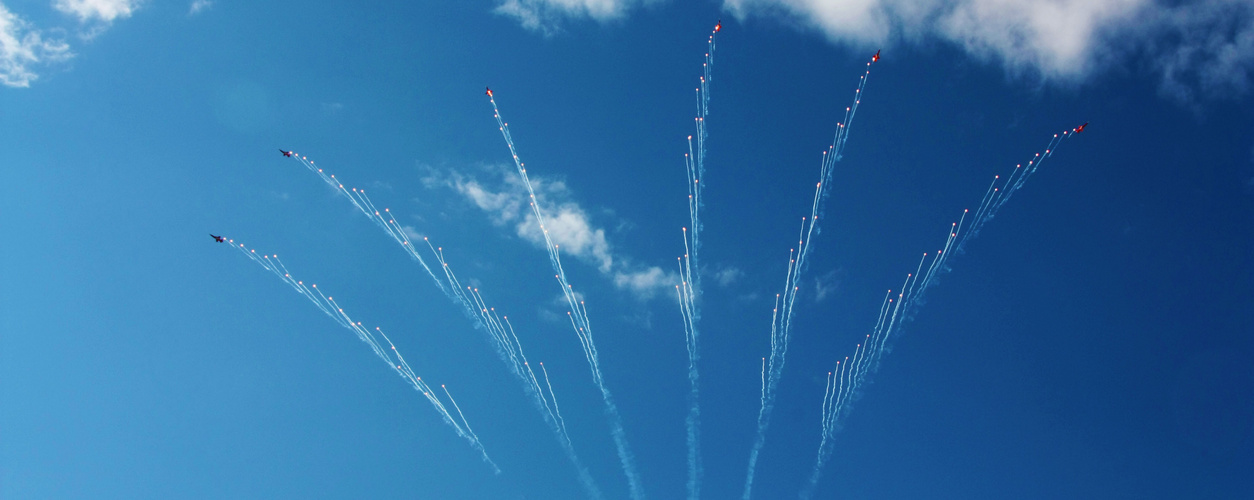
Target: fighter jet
x,y
875,57
718,26
488,92
217,238
1081,127
286,153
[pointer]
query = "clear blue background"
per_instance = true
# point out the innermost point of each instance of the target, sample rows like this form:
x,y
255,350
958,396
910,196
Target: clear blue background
x,y
1093,342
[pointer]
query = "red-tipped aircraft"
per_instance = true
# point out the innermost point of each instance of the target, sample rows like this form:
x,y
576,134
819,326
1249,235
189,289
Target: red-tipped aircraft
x,y
875,57
488,91
286,153
718,26
1081,127
217,238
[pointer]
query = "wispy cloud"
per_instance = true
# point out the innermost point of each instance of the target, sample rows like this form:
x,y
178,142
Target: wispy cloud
x,y
1205,45
412,233
1201,48
96,16
199,6
23,48
827,284
332,108
645,281
546,15
728,275
1053,37
97,10
505,201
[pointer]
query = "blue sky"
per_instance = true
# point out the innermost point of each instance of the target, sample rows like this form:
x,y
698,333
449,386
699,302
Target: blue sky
x,y
1093,342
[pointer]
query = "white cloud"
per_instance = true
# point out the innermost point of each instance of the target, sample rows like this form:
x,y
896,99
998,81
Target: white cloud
x,y
1200,45
412,233
572,233
645,282
22,48
727,276
332,108
1053,37
1056,37
568,225
545,15
198,6
97,10
1206,44
827,284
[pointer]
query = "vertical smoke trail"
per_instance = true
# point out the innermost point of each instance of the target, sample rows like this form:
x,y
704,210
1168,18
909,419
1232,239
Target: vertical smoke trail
x,y
907,303
391,355
781,335
579,321
508,347
689,294
556,409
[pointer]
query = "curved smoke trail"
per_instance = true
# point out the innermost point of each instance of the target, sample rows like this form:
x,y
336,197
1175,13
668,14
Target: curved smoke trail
x,y
846,381
578,314
689,289
508,347
389,355
781,321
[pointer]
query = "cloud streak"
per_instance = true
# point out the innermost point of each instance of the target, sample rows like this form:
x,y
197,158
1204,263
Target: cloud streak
x,y
1199,49
24,48
199,6
96,16
1054,38
546,16
97,10
1206,47
569,225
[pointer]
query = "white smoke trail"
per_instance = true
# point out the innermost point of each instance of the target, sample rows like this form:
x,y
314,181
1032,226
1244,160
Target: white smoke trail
x,y
781,335
908,302
689,294
391,355
508,347
579,321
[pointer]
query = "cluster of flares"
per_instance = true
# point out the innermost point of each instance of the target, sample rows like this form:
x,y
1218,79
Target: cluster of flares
x,y
689,289
500,331
390,355
578,315
844,382
782,314
850,374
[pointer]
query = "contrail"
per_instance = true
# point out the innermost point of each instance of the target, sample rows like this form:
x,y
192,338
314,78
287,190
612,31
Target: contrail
x,y
781,320
579,321
893,315
390,355
508,347
689,290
